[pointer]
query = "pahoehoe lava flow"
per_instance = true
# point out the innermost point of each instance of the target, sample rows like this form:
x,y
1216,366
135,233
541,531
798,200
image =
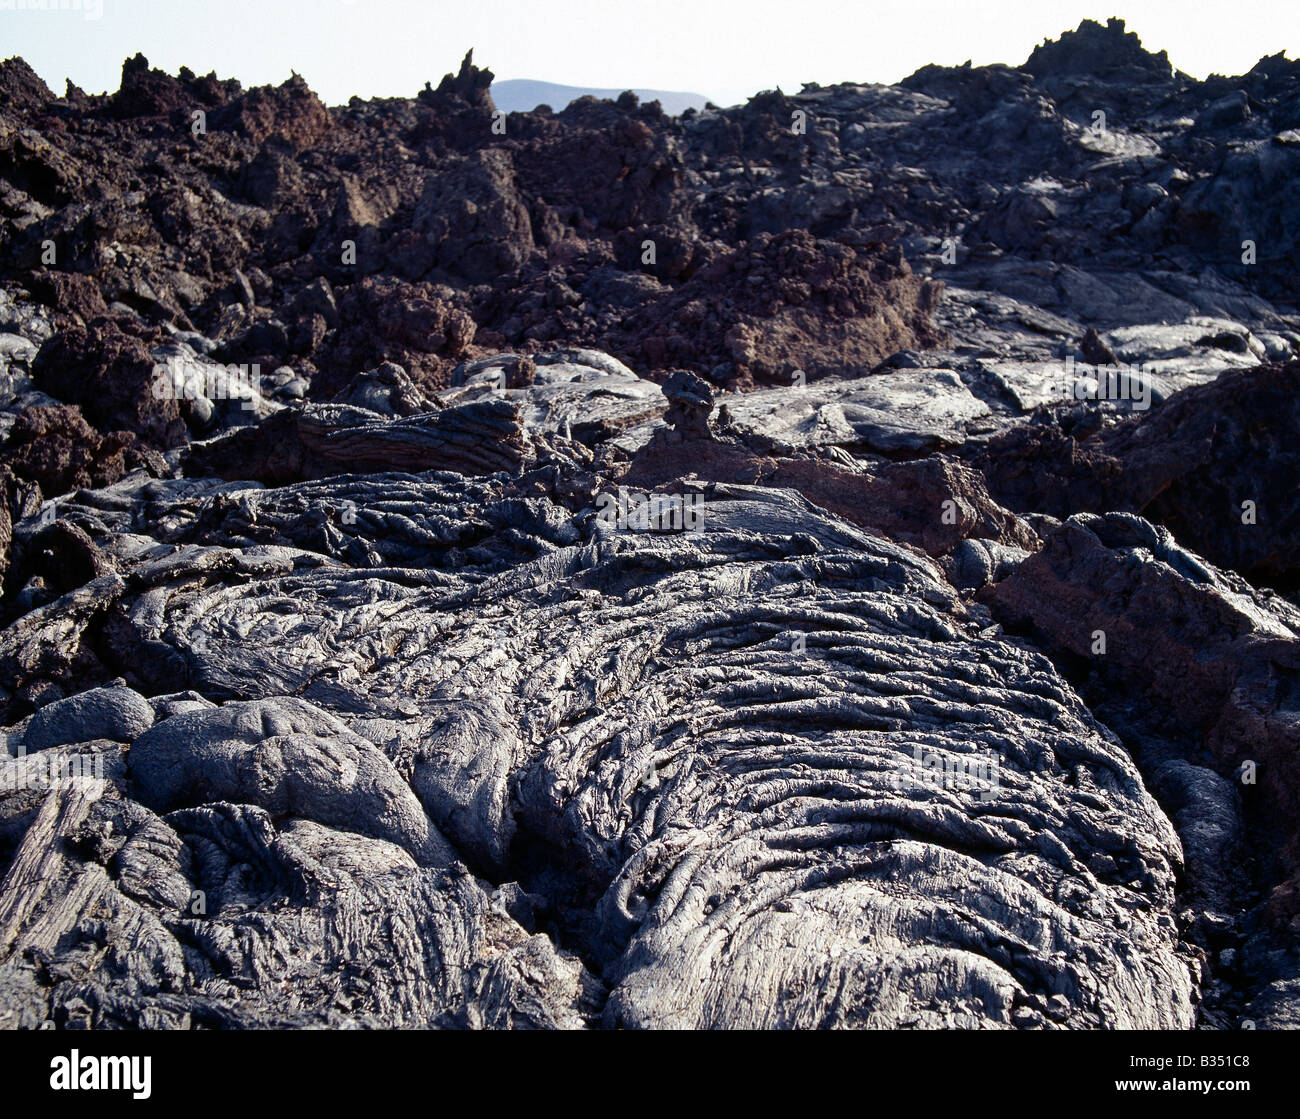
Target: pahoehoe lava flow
x,y
826,562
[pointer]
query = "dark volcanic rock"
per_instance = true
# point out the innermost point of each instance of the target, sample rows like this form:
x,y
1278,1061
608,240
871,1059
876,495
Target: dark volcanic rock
x,y
339,439
685,815
117,713
1101,52
21,87
466,569
1219,659
55,447
1217,465
473,224
109,373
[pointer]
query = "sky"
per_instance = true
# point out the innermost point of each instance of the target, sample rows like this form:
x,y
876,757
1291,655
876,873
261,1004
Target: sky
x,y
724,49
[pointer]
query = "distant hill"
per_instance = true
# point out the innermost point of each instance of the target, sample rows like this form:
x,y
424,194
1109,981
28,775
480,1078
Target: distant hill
x,y
522,95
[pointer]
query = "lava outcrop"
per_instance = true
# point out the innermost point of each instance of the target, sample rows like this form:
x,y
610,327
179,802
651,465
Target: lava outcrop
x,y
825,562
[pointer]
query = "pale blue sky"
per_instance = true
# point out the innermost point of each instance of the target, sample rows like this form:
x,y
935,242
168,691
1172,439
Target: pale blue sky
x,y
725,49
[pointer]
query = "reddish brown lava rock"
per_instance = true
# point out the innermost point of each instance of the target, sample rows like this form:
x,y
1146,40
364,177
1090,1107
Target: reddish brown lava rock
x,y
1189,465
108,372
1202,647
